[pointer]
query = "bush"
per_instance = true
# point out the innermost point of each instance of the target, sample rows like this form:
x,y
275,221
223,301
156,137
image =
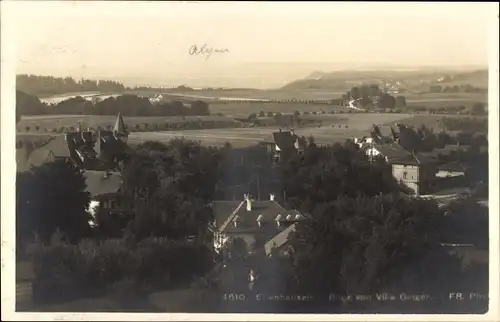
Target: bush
x,y
65,271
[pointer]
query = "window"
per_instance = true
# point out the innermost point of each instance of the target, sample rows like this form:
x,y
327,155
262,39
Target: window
x,y
405,175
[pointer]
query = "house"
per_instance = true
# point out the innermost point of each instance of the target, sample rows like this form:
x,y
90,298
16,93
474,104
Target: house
x,y
255,221
85,148
284,143
451,170
104,188
415,170
279,242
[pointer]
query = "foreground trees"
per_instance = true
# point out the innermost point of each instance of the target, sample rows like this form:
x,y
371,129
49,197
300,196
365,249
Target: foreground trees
x,y
170,187
323,174
126,104
52,197
368,243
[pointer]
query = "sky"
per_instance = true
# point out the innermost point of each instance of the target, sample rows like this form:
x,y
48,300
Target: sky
x,y
265,44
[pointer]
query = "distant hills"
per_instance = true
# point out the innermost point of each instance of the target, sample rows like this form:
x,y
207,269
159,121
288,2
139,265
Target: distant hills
x,y
411,79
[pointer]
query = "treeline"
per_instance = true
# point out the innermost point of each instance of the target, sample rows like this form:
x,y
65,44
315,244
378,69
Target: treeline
x,y
49,85
423,138
372,96
127,105
476,109
465,124
464,88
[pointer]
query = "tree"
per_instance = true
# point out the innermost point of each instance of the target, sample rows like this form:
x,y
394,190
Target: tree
x,y
200,108
52,196
27,105
163,183
370,244
400,101
355,93
387,101
478,109
467,223
323,174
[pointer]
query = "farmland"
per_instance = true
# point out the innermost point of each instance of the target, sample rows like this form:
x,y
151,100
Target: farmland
x,y
333,131
47,123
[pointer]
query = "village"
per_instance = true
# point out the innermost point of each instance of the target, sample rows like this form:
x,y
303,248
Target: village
x,y
255,220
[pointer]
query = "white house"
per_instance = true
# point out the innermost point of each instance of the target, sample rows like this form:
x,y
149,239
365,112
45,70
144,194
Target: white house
x,y
254,221
451,170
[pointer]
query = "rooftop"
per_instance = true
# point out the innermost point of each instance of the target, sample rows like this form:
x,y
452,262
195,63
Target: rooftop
x,y
280,239
102,183
285,140
452,166
226,212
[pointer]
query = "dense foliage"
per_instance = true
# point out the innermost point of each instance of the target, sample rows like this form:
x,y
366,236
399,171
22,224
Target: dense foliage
x,y
322,174
127,105
65,272
362,233
163,181
49,85
50,197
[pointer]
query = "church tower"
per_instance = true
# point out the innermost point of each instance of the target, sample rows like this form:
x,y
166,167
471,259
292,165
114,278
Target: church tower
x,y
119,130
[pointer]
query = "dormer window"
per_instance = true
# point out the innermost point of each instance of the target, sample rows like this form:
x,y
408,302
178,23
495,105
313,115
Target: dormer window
x,y
278,219
259,220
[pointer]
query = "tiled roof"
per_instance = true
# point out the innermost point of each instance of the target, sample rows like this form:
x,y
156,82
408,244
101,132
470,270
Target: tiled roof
x,y
55,148
280,239
285,140
396,154
452,166
98,184
392,151
386,131
226,211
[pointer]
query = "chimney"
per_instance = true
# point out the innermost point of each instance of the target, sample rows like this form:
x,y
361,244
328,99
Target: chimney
x,y
271,197
248,201
249,204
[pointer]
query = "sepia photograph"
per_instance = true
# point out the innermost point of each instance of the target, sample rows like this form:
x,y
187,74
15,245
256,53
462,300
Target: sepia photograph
x,y
249,158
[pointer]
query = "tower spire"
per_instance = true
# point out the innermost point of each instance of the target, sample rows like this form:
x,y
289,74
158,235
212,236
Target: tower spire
x,y
119,127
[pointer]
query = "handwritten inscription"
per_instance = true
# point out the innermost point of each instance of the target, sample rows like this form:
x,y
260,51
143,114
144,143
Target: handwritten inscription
x,y
206,51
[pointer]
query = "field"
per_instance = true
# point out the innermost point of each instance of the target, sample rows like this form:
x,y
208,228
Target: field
x,y
332,131
46,123
428,100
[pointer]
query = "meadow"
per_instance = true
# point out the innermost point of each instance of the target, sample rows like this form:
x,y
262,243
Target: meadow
x,y
54,123
333,130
